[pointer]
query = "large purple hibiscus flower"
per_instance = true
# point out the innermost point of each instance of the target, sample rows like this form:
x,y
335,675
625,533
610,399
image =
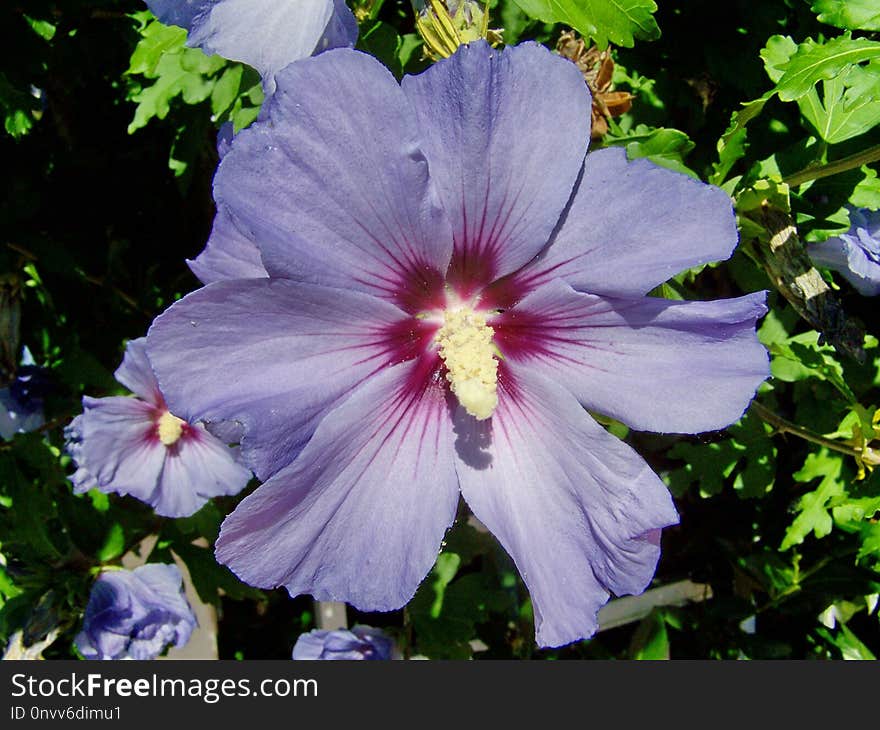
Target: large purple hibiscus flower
x,y
136,446
449,285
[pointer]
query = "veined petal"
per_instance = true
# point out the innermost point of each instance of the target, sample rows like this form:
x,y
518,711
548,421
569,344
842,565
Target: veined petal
x,y
120,448
360,515
198,468
229,253
266,34
655,364
332,184
577,509
505,133
297,349
632,226
136,374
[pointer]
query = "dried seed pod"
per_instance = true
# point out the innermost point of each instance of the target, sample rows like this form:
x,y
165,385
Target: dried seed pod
x,y
597,68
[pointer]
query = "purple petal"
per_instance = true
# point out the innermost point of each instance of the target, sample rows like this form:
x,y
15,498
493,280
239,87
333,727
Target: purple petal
x,y
634,225
224,138
577,509
197,469
505,134
81,479
362,642
266,34
229,253
119,445
271,354
855,255
341,31
179,12
360,515
160,585
655,364
333,187
136,374
310,646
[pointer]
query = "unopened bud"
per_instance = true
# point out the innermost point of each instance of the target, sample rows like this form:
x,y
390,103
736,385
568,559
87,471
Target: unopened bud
x,y
446,25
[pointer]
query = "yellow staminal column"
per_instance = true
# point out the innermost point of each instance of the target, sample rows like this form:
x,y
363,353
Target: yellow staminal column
x,y
170,428
465,342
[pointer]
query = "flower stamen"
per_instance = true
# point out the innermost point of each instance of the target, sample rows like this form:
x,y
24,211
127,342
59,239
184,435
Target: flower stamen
x,y
466,347
169,428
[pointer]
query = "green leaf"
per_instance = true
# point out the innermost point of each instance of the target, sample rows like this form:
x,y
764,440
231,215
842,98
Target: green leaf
x,y
382,41
209,577
617,21
867,192
17,108
813,507
849,14
870,537
748,456
410,43
650,640
776,55
849,105
856,510
8,589
113,545
28,522
176,70
42,28
813,62
226,89
242,114
665,147
802,357
731,148
850,646
156,40
444,571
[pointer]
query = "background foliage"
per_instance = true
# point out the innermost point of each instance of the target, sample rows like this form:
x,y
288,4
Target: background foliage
x,y
109,149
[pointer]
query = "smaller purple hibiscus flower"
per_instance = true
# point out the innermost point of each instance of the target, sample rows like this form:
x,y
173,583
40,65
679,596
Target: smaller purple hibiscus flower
x,y
137,446
359,642
136,614
855,255
265,34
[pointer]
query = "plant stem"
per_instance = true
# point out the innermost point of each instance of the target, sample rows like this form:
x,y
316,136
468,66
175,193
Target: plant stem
x,y
814,172
784,426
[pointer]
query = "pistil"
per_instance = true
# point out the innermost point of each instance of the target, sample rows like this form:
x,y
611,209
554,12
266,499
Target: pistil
x,y
169,428
465,342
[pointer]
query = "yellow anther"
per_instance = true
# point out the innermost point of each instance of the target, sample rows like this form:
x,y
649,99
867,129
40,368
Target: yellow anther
x,y
170,428
465,342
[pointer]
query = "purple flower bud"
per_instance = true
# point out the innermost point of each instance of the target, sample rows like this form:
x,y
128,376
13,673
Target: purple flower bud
x,y
136,614
854,255
360,642
21,401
